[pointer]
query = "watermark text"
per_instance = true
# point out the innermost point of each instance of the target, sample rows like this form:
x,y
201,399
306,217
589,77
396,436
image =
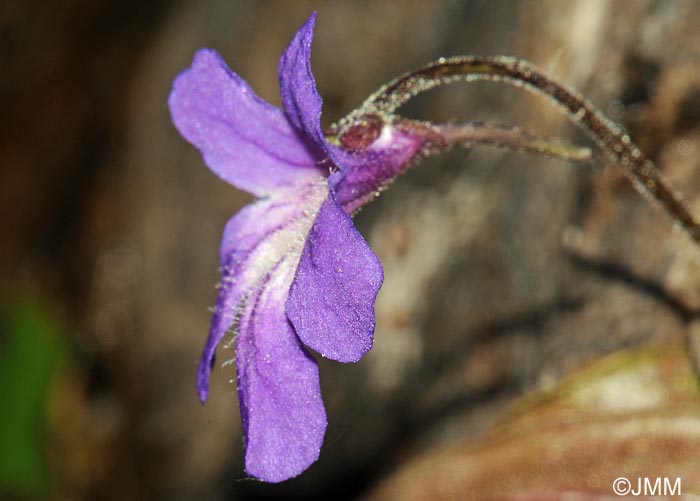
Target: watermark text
x,y
647,486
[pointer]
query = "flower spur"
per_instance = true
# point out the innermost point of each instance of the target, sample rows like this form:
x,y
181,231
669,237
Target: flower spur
x,y
296,272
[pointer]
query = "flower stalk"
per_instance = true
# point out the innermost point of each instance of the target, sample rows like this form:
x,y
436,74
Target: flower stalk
x,y
614,141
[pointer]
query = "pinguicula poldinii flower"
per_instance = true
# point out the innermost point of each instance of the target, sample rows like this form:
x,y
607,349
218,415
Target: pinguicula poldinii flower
x,y
296,273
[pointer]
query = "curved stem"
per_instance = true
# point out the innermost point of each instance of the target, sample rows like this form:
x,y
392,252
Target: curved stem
x,y
610,137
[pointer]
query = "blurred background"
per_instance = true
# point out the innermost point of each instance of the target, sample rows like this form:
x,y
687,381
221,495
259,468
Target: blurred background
x,y
533,310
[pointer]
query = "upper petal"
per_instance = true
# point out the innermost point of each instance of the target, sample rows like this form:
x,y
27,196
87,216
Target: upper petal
x,y
300,99
244,140
331,301
278,386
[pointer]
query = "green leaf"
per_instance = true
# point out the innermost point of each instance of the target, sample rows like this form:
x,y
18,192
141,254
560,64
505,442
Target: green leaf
x,y
30,354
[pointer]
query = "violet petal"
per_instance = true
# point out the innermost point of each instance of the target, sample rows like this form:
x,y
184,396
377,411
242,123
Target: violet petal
x,y
245,140
250,247
300,98
278,386
331,301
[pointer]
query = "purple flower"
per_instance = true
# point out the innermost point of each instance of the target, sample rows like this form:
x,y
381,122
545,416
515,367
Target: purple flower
x,y
296,272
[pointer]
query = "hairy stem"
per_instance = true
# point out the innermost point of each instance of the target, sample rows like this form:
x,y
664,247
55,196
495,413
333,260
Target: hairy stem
x,y
511,137
610,137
